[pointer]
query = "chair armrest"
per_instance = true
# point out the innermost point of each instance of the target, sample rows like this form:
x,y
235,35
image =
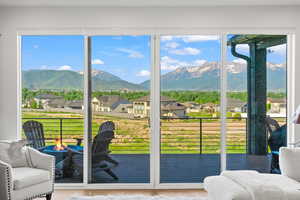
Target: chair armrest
x,y
74,151
41,160
6,183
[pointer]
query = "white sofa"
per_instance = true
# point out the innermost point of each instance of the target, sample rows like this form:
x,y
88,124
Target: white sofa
x,y
223,188
28,182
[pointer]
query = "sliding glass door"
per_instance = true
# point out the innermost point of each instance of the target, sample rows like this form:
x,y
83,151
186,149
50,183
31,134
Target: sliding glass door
x,y
120,109
149,109
189,108
52,99
256,101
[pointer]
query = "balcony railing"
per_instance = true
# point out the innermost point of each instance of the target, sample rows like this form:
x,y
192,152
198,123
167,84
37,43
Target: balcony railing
x,y
178,135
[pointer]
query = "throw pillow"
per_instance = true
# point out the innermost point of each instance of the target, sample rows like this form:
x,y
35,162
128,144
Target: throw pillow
x,y
14,153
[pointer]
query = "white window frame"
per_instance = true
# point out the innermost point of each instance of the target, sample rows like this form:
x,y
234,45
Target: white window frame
x,y
155,92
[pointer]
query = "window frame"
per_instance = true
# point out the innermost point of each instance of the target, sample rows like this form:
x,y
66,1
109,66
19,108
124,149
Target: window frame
x,y
155,92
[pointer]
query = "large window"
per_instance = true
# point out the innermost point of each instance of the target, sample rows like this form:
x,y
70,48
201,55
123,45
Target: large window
x,y
93,103
256,101
52,99
189,107
121,95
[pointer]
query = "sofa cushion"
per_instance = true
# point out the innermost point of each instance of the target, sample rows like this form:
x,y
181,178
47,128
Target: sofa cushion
x,y
24,177
14,153
289,161
223,188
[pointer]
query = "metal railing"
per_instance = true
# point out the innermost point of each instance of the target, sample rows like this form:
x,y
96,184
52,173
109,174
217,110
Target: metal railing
x,y
192,135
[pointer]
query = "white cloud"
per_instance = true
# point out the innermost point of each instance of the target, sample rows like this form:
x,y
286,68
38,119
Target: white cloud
x,y
279,49
97,61
166,38
199,38
170,64
199,62
172,45
242,48
143,73
131,53
44,67
64,67
191,38
240,61
185,51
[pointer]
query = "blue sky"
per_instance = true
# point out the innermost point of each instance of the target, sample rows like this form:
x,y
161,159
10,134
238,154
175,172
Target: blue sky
x,y
127,56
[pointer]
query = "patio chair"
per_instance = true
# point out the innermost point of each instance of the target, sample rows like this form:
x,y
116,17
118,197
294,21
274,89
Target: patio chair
x,y
277,139
101,160
34,133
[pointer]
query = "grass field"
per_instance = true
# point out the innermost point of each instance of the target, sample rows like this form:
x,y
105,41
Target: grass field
x,y
178,136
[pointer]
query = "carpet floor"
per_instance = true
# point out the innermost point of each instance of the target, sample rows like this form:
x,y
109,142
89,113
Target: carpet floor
x,y
138,197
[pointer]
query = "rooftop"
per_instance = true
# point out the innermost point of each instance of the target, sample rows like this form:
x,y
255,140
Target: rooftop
x,y
147,99
235,102
48,96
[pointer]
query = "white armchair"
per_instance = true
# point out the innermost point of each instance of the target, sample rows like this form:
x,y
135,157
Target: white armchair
x,y
26,183
224,187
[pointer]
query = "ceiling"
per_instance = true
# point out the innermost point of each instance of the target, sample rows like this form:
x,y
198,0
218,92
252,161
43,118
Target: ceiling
x,y
141,3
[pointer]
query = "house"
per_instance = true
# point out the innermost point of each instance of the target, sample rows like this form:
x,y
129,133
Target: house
x,y
75,104
277,105
173,110
236,105
54,103
123,108
192,107
47,101
107,103
141,107
169,107
209,107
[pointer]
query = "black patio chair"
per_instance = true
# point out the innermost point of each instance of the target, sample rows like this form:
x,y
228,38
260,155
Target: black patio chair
x,y
101,159
277,138
34,133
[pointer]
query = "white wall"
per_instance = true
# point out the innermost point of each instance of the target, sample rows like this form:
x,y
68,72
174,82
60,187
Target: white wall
x,y
14,19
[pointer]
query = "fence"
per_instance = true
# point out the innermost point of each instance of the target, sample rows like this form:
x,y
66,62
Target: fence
x,y
178,135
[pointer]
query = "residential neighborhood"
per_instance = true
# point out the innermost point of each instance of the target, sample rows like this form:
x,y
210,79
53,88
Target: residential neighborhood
x,y
140,108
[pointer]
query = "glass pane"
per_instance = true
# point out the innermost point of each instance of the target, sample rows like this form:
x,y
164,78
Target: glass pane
x,y
190,99
256,99
121,108
52,99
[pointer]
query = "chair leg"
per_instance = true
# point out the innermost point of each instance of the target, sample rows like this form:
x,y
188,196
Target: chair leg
x,y
111,174
109,159
48,196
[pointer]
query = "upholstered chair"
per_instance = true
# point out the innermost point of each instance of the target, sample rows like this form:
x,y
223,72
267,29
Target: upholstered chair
x,y
26,181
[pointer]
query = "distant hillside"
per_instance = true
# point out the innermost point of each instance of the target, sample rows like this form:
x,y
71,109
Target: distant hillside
x,y
65,79
207,77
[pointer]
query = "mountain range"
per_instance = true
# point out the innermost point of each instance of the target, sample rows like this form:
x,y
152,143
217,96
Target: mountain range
x,y
205,77
66,79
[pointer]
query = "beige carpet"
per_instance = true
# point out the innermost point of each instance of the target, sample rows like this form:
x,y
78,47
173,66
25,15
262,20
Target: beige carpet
x,y
138,197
